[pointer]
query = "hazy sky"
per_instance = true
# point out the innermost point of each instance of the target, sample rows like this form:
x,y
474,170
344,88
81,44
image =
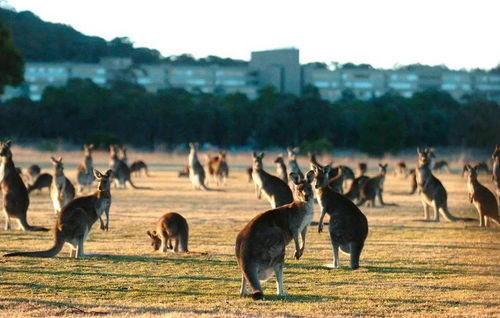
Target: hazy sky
x,y
460,34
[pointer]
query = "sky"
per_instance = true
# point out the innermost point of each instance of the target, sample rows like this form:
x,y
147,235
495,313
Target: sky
x,y
383,33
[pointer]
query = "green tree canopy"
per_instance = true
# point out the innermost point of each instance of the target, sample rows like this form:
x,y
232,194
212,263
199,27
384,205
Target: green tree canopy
x,y
11,62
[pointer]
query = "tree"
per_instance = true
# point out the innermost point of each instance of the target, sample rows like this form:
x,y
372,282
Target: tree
x,y
11,62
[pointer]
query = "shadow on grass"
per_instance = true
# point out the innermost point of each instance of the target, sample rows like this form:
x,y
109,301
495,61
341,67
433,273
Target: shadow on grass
x,y
409,270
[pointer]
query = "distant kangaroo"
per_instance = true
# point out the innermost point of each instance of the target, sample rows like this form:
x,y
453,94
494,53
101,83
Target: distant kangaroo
x,y
337,175
292,161
44,180
348,225
281,169
432,192
61,190
480,166
275,190
121,172
401,170
496,169
196,171
76,219
85,173
171,226
261,244
413,181
137,166
123,155
33,172
362,167
184,172
217,168
482,198
15,196
353,193
373,187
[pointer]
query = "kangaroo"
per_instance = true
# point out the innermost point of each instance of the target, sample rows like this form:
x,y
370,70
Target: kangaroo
x,y
373,187
260,245
44,180
184,172
61,190
401,170
496,169
33,172
292,161
171,226
276,191
248,172
123,156
482,198
137,166
432,191
480,166
361,169
15,195
413,181
354,190
335,175
348,225
440,165
217,168
76,219
196,172
121,172
85,174
281,168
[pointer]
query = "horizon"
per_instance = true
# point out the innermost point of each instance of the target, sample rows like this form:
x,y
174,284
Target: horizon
x,y
392,39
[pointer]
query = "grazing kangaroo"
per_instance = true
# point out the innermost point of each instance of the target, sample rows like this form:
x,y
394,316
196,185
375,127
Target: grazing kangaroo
x,y
413,181
373,187
171,226
480,166
61,190
44,180
432,191
184,172
496,169
281,168
137,166
482,198
260,246
440,165
121,172
76,219
276,191
292,161
15,196
348,225
85,173
196,171
361,169
401,170
217,168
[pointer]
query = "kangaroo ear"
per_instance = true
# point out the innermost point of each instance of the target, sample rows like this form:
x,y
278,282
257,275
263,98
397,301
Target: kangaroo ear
x,y
296,149
97,174
8,143
109,172
151,235
59,159
310,176
326,169
418,150
295,177
261,155
53,160
254,154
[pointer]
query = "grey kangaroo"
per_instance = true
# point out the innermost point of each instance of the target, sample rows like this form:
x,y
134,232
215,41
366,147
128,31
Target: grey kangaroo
x,y
85,174
171,226
482,198
121,172
61,190
260,246
275,190
281,168
292,161
15,195
373,187
496,169
196,171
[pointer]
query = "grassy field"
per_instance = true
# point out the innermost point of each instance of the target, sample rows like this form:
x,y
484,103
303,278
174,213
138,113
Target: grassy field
x,y
408,267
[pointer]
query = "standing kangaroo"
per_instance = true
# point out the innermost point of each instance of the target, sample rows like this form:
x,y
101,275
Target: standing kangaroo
x,y
171,226
348,225
432,191
482,198
121,172
76,219
260,246
281,169
373,187
85,173
496,169
292,161
15,196
61,190
217,168
196,171
276,191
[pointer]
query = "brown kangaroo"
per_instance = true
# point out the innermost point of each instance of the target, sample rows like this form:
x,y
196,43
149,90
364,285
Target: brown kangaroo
x,y
292,161
137,166
432,191
276,191
171,226
217,168
482,198
496,169
373,187
44,180
61,190
15,195
260,246
121,172
76,219
85,173
338,175
348,225
362,167
281,168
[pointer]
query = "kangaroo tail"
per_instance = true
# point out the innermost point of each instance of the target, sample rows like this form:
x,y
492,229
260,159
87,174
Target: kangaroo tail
x,y
448,216
28,227
58,245
250,273
137,187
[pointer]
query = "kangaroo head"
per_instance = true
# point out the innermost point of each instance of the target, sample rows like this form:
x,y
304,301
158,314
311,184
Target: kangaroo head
x,y
87,150
496,153
472,173
113,151
57,165
292,153
279,159
5,149
103,180
124,152
321,176
155,240
303,188
222,155
257,160
382,168
424,156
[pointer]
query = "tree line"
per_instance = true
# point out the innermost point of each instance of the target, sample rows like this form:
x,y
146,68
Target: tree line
x,y
83,112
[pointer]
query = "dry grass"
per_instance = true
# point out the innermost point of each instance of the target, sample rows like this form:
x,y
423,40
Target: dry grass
x,y
408,267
